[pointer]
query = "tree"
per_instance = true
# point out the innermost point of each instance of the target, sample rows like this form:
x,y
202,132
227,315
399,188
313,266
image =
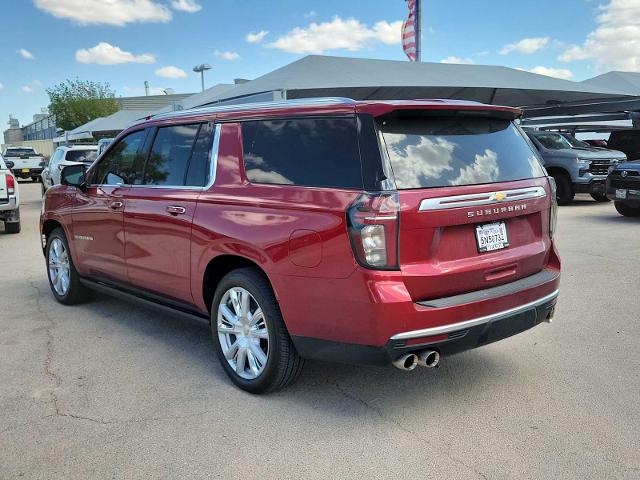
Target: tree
x,y
76,102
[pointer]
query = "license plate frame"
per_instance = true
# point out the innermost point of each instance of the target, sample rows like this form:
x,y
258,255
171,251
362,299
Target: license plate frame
x,y
485,234
621,193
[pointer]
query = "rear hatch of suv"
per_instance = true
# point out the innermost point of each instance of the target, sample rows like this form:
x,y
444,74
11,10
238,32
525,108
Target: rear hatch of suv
x,y
473,197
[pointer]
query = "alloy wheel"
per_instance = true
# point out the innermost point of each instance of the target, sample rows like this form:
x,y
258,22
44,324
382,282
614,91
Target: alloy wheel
x,y
243,333
59,268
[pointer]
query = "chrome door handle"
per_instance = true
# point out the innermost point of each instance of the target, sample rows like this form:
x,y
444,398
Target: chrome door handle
x,y
175,210
116,205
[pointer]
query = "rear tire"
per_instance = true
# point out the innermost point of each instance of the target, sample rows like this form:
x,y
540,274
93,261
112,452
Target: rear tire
x,y
626,210
11,228
600,197
282,365
35,179
69,291
564,189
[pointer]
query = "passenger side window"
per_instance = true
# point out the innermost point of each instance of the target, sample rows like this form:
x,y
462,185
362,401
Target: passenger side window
x,y
121,165
317,152
169,158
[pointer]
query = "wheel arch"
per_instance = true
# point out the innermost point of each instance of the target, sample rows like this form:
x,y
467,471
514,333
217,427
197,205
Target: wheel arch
x,y
558,170
220,266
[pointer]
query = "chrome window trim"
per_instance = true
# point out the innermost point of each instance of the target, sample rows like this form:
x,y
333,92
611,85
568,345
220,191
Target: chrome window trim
x,y
213,167
427,332
477,199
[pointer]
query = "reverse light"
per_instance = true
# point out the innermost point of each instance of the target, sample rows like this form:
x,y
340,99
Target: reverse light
x,y
373,230
553,211
11,184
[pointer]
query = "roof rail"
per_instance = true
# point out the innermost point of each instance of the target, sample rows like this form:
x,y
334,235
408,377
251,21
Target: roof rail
x,y
302,102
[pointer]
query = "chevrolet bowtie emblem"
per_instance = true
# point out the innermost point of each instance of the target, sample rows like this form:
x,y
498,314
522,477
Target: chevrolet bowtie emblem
x,y
499,196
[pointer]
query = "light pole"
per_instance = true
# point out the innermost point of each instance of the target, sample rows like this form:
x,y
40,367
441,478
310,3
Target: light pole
x,y
201,69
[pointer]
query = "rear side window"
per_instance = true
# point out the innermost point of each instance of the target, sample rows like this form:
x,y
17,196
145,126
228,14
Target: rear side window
x,y
119,165
315,152
84,156
198,171
170,154
448,151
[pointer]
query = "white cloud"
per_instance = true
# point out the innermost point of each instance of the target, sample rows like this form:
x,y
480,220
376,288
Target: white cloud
x,y
256,37
106,12
106,54
227,55
26,88
171,71
1,87
615,43
484,170
189,6
457,60
310,14
563,73
430,158
526,45
338,34
24,53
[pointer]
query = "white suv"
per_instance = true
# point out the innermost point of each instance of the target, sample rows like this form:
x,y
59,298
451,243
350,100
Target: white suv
x,y
9,199
63,156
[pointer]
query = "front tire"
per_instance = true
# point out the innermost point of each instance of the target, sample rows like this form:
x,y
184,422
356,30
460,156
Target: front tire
x,y
626,210
564,189
12,228
600,197
63,277
249,334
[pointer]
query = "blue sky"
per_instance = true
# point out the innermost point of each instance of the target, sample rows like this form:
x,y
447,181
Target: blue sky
x,y
46,41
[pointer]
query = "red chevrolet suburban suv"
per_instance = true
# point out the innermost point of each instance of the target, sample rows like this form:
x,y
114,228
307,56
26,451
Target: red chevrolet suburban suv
x,y
372,232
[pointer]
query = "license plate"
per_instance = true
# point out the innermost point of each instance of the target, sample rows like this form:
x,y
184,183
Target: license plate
x,y
621,193
25,170
491,236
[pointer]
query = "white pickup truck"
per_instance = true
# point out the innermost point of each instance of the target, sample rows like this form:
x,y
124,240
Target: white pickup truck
x,y
9,199
24,162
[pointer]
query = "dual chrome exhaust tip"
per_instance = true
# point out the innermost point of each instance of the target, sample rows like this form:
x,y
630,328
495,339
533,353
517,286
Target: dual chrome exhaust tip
x,y
425,358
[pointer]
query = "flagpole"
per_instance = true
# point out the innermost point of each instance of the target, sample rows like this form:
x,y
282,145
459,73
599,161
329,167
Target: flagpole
x,y
418,30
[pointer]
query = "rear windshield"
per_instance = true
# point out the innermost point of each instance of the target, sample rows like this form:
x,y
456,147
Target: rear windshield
x,y
84,156
446,151
17,152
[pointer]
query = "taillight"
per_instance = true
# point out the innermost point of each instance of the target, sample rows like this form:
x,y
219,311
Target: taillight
x,y
11,184
373,229
553,212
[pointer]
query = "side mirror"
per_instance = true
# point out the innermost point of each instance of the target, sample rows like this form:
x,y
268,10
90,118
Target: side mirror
x,y
73,176
9,164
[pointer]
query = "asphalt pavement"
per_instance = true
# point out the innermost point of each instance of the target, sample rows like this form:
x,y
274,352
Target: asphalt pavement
x,y
111,390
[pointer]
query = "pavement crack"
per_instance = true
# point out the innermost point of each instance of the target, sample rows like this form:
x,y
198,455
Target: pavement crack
x,y
405,429
49,349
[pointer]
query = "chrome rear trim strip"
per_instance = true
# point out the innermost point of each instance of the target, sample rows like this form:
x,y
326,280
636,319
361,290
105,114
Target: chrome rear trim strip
x,y
453,327
476,199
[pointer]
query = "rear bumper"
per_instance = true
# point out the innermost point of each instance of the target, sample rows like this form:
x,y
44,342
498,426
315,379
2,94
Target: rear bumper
x,y
447,340
370,318
32,172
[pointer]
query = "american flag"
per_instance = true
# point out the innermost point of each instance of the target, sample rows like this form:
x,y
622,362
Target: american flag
x,y
409,32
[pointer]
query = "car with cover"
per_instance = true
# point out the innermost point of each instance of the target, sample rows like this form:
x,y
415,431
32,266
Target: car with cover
x,y
375,232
